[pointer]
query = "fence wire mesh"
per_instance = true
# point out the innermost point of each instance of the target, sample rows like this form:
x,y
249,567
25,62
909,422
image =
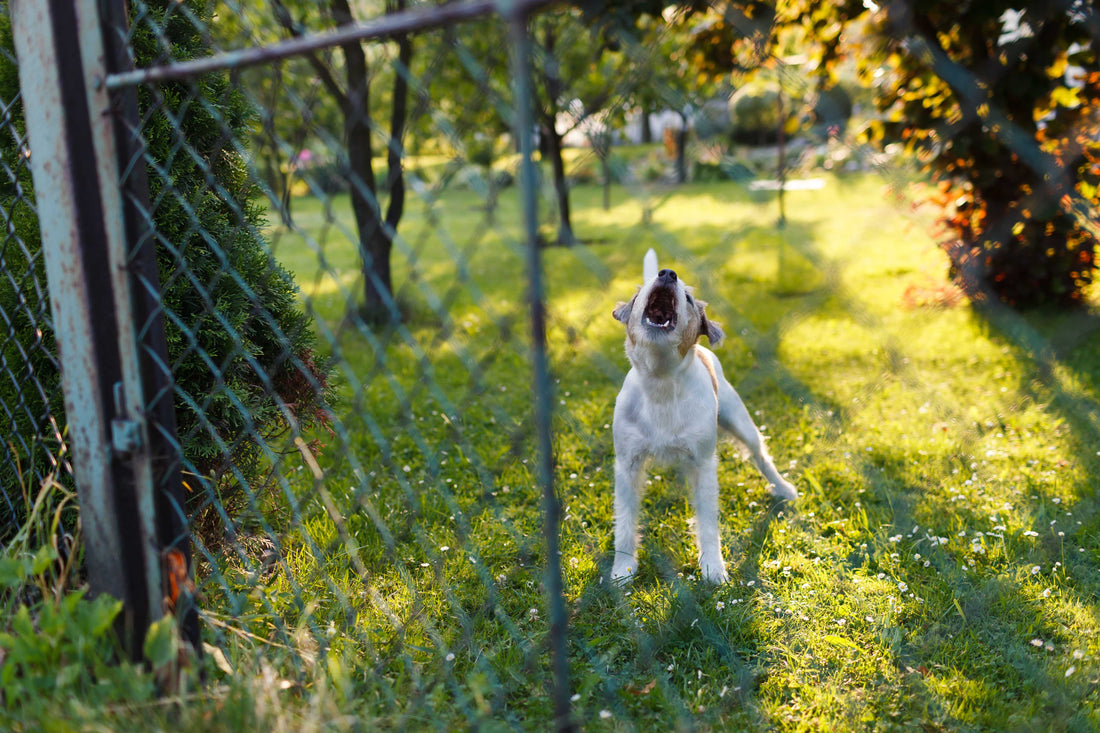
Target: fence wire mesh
x,y
33,451
343,278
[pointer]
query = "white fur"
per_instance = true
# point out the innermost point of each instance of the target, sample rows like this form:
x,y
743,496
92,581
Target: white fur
x,y
672,403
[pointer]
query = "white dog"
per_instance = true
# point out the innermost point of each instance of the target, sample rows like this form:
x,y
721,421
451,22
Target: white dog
x,y
672,403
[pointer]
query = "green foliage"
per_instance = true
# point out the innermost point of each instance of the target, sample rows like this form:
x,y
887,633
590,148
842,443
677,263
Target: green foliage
x,y
754,113
239,342
240,345
830,110
55,644
64,649
980,95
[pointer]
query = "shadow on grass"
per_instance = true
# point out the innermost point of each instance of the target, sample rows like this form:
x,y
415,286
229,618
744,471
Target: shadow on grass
x,y
667,641
983,634
977,628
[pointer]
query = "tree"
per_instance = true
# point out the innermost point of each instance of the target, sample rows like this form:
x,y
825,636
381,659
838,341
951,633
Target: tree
x,y
572,65
565,54
1000,103
292,119
352,97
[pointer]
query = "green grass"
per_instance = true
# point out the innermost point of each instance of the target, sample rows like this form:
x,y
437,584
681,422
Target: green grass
x,y
940,570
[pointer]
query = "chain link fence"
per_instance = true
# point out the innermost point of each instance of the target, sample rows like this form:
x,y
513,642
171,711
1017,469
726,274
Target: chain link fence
x,y
34,447
378,358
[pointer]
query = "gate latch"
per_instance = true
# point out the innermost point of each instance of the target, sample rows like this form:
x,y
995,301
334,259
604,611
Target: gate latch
x,y
125,434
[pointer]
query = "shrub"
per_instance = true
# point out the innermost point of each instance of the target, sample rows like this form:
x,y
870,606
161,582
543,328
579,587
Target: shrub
x,y
1032,251
239,343
754,113
1009,136
830,110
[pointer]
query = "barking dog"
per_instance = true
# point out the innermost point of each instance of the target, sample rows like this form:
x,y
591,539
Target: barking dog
x,y
672,403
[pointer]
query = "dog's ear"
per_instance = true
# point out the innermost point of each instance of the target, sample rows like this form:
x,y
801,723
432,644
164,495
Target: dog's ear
x,y
707,327
622,310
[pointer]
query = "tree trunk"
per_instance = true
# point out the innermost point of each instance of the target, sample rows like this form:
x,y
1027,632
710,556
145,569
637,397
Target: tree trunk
x,y
553,145
681,149
781,165
549,116
605,168
374,244
647,129
395,176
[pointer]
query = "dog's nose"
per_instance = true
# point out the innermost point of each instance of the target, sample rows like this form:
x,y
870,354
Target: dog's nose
x,y
666,277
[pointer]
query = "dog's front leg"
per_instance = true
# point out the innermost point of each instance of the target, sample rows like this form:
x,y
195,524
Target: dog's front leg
x,y
628,501
704,483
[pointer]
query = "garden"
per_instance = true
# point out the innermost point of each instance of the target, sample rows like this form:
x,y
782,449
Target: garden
x,y
355,335
940,568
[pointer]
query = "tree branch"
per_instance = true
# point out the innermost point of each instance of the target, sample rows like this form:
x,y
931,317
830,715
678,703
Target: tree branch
x,y
295,29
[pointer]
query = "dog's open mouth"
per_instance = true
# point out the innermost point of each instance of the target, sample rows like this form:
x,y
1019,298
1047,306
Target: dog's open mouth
x,y
660,309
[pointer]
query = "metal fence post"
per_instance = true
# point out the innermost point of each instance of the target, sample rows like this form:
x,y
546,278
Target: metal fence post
x,y
75,170
518,18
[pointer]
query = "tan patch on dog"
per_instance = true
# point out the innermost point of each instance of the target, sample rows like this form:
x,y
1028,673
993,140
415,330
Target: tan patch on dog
x,y
709,365
689,334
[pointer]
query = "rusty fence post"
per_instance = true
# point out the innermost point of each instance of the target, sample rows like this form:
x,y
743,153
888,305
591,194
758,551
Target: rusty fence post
x,y
74,148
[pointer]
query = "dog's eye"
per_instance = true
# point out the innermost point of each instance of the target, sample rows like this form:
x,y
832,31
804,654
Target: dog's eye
x,y
691,300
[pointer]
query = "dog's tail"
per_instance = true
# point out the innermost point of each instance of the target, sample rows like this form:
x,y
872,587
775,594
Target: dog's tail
x,y
649,266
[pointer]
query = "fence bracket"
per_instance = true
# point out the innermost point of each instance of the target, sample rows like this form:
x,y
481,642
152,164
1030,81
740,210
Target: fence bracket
x,y
125,434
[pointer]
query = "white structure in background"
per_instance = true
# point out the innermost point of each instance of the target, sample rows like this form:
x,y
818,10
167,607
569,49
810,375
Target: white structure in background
x,y
658,123
578,134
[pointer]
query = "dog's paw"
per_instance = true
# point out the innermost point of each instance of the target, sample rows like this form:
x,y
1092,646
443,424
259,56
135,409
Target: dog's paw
x,y
622,571
714,573
783,490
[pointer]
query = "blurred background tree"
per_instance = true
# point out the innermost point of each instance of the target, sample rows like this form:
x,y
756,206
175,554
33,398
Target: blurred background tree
x,y
1000,103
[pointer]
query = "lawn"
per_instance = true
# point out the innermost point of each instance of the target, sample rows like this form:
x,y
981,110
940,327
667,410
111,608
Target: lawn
x,y
940,570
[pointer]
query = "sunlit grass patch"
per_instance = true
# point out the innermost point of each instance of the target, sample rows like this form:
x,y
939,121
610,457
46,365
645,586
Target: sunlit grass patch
x,y
940,569
947,517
